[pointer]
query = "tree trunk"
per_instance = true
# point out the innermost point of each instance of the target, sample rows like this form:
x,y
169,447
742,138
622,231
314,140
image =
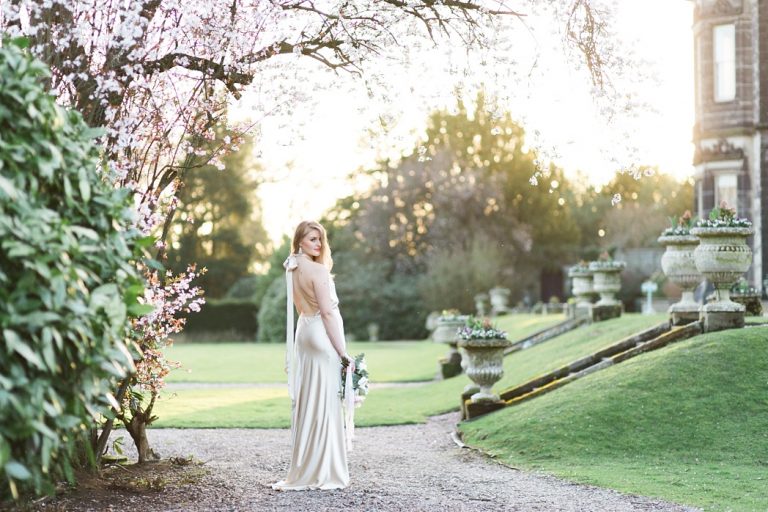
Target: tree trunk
x,y
137,428
100,444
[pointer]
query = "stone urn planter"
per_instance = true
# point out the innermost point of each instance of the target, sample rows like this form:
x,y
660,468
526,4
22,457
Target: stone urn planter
x,y
484,365
480,300
607,281
499,298
679,266
722,256
446,332
581,284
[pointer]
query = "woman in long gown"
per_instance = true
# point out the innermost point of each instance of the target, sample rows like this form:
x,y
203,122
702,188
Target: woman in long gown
x,y
318,447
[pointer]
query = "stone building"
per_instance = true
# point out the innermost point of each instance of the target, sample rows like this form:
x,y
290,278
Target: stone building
x,y
731,127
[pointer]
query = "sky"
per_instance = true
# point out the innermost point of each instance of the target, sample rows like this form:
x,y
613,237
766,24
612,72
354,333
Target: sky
x,y
310,152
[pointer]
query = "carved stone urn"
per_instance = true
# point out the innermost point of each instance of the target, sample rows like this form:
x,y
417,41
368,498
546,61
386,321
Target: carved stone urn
x,y
607,281
446,332
679,266
484,365
581,284
499,297
722,256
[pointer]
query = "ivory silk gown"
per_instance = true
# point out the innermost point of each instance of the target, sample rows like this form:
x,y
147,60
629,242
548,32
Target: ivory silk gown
x,y
318,446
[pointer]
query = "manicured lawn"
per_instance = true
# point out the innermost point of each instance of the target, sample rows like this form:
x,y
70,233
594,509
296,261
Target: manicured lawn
x,y
268,407
688,423
388,361
523,325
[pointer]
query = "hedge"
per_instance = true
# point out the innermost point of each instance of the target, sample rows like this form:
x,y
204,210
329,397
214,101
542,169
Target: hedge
x,y
229,316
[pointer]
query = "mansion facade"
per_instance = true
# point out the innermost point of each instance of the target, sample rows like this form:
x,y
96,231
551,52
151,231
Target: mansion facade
x,y
731,126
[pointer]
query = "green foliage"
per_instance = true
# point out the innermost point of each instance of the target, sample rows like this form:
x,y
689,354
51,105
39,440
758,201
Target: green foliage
x,y
233,316
468,185
217,222
686,423
244,288
275,270
371,293
454,278
272,312
67,281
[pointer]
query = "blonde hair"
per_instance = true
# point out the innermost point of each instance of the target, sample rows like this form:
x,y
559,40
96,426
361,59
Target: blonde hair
x,y
325,250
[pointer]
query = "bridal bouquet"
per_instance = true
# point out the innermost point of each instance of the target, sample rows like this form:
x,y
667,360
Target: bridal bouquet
x,y
359,379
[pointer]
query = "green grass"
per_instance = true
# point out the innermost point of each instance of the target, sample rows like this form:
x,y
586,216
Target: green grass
x,y
523,325
388,361
522,366
688,423
268,407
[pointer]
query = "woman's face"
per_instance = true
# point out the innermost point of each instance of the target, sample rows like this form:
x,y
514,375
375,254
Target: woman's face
x,y
311,244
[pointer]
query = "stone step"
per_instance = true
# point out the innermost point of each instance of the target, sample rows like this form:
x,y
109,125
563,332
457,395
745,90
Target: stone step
x,y
613,355
583,363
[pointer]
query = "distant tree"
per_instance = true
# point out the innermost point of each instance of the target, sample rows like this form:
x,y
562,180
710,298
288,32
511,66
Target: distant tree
x,y
645,204
465,189
218,224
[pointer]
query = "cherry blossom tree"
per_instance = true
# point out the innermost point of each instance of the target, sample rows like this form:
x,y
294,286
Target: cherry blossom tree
x,y
156,77
157,74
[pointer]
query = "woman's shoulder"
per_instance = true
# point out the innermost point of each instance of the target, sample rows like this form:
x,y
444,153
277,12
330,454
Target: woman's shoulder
x,y
313,267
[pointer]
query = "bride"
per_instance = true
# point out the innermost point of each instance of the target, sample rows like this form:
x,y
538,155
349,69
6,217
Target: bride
x,y
314,364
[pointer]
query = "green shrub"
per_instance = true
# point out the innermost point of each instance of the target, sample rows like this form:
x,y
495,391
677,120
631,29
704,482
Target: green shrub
x,y
67,284
244,288
226,315
272,312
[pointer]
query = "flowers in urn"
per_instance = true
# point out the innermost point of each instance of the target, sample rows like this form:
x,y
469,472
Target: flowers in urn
x,y
723,216
451,315
606,262
359,380
680,226
579,268
480,329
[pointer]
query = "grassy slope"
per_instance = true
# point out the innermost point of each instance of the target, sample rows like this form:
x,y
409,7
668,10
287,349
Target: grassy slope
x,y
268,407
687,423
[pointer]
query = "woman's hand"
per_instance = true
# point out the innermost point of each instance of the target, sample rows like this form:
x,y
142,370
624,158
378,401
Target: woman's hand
x,y
347,360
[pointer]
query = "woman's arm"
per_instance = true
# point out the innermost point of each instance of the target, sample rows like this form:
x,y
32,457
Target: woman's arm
x,y
322,287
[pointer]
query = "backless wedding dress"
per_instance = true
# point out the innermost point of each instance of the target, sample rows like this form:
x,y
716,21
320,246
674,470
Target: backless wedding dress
x,y
318,446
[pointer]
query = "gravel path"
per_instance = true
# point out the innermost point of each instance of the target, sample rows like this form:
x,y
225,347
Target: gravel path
x,y
402,468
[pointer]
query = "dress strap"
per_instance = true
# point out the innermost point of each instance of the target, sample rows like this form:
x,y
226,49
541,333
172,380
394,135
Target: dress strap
x,y
349,408
290,265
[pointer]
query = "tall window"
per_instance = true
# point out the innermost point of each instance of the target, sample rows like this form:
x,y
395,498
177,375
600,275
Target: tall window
x,y
726,189
724,53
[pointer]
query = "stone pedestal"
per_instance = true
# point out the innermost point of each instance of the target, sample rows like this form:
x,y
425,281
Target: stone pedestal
x,y
446,332
450,366
474,409
684,315
719,320
599,313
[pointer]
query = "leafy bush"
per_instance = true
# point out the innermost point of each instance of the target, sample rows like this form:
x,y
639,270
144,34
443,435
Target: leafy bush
x,y
369,293
454,278
230,315
272,312
244,288
67,284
